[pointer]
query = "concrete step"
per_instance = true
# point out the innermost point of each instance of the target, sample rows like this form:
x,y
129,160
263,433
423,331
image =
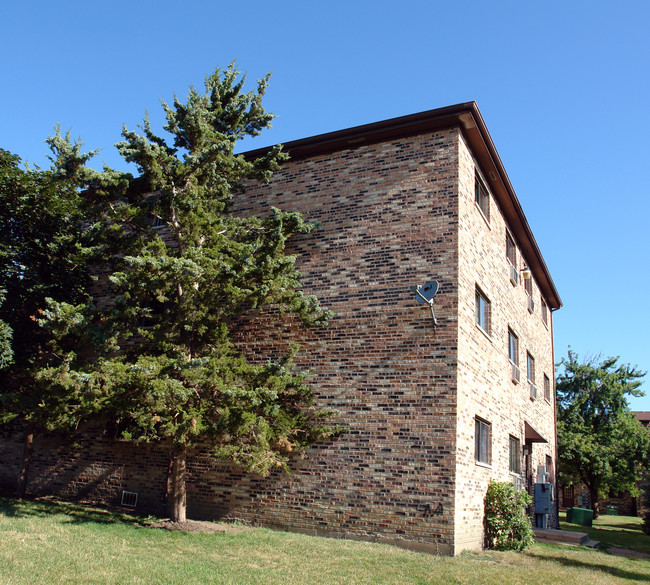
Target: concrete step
x,y
564,537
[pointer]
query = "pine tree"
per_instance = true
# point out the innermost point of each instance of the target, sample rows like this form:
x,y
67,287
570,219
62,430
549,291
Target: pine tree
x,y
183,268
43,256
6,352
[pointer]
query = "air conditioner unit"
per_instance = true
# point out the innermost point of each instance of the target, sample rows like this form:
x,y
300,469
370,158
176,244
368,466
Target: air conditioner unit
x,y
514,275
533,391
531,304
516,373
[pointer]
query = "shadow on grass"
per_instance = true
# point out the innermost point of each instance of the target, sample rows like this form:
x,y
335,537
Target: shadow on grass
x,y
613,571
622,526
623,535
74,513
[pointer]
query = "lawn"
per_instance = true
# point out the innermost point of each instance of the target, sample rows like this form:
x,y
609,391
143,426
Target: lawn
x,y
44,542
619,531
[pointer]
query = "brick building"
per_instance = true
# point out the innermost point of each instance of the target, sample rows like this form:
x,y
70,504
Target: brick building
x,y
433,411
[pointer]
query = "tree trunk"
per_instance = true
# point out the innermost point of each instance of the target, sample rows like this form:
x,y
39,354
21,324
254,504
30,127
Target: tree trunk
x,y
593,496
28,447
177,502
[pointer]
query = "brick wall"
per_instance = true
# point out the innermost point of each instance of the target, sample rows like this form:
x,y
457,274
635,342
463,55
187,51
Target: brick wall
x,y
386,217
485,386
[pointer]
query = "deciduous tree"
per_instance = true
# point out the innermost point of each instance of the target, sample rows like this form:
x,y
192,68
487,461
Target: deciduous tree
x,y
601,443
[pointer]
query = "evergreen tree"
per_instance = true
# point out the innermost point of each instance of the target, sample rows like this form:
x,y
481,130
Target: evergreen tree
x,y
43,255
601,443
184,268
6,352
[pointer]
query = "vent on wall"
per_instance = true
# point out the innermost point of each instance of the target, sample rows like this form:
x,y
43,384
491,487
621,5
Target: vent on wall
x,y
129,499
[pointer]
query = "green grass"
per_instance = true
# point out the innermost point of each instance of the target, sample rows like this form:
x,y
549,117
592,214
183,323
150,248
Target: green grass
x,y
620,531
43,542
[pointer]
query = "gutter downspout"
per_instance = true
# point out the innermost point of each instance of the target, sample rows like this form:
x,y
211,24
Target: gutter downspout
x,y
557,466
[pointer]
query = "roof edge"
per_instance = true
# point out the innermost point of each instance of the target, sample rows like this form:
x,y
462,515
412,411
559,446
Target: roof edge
x,y
468,118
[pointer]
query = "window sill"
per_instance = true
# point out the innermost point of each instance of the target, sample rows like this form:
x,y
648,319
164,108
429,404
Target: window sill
x,y
484,332
485,219
484,465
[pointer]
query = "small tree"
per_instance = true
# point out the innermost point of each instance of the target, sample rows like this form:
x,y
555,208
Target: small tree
x,y
178,376
507,526
600,441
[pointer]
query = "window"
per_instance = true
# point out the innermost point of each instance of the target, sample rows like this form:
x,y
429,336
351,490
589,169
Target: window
x,y
481,197
549,469
544,312
511,255
513,347
528,286
511,250
482,441
530,366
482,310
515,455
547,388
513,356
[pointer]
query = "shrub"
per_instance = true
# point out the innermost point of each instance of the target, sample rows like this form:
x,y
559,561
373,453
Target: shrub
x,y
507,527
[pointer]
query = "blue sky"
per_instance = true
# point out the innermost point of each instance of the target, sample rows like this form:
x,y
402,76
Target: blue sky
x,y
563,87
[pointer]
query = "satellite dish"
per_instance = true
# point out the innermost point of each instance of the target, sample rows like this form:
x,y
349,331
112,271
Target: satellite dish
x,y
424,293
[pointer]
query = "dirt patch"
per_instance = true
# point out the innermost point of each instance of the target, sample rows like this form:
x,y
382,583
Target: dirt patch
x,y
626,552
198,526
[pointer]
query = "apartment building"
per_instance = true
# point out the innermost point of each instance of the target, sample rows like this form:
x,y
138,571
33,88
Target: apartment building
x,y
438,398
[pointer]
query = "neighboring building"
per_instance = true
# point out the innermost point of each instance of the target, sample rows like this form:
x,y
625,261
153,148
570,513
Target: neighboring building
x,y
433,412
643,416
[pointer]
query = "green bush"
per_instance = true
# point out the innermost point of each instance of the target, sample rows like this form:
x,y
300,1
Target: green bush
x,y
507,527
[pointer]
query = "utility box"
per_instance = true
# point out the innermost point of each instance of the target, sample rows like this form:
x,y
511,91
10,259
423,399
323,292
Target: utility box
x,y
543,503
581,516
543,498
